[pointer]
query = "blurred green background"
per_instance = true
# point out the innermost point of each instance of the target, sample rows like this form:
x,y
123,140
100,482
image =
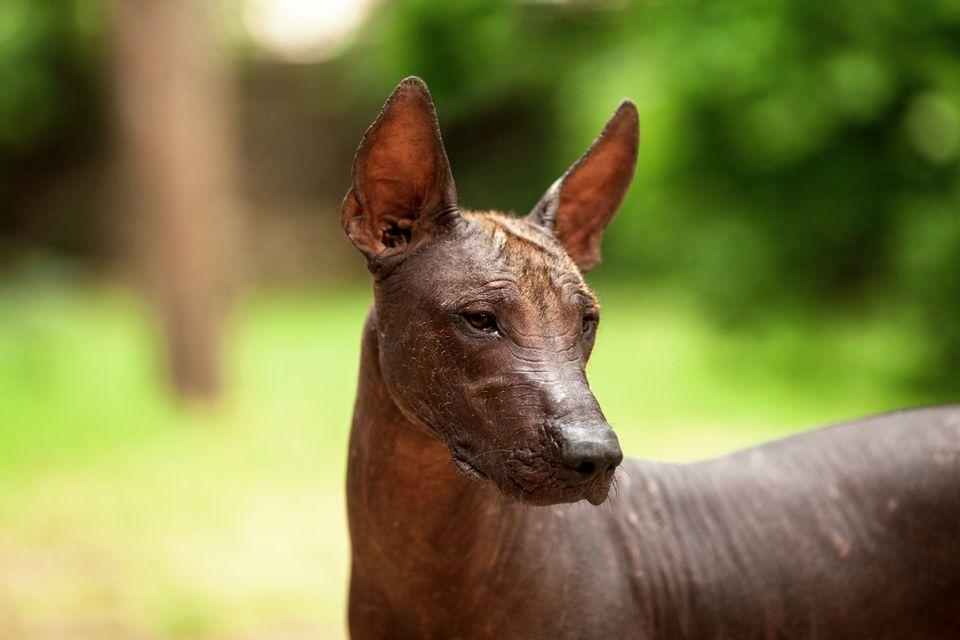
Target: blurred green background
x,y
788,256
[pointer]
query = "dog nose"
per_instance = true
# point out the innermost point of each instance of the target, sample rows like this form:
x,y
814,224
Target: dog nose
x,y
589,452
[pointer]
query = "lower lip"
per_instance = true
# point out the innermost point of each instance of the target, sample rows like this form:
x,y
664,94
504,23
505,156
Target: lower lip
x,y
597,492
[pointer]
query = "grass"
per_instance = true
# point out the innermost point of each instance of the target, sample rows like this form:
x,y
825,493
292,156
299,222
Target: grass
x,y
123,515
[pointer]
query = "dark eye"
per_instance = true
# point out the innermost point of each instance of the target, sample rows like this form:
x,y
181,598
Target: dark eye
x,y
590,323
481,321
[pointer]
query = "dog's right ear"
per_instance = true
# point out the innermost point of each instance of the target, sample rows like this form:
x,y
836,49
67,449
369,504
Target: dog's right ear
x,y
583,201
402,186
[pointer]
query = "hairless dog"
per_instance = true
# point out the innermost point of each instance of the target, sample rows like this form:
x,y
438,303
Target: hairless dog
x,y
476,440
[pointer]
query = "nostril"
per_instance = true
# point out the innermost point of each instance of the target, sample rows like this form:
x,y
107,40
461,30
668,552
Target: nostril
x,y
586,468
588,452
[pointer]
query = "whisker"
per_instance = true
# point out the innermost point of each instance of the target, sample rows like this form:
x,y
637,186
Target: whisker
x,y
483,453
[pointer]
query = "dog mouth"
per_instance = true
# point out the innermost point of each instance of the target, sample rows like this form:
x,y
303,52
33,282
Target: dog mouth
x,y
598,491
557,491
537,486
468,469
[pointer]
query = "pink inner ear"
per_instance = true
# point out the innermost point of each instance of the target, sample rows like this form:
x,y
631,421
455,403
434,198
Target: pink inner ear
x,y
399,176
592,190
401,170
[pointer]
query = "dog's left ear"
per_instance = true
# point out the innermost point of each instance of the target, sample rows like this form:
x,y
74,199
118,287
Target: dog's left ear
x,y
582,202
402,186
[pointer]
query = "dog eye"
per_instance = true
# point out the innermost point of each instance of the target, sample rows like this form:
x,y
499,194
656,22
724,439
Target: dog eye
x,y
590,323
481,321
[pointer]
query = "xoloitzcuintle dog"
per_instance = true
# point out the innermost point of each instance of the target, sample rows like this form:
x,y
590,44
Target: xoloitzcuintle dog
x,y
476,438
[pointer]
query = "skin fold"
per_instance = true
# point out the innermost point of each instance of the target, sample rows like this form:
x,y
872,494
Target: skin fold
x,y
486,493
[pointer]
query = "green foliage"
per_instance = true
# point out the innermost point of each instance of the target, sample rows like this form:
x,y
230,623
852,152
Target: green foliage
x,y
794,154
49,71
797,156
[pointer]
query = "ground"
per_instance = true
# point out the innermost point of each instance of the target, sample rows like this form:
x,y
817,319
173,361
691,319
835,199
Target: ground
x,y
124,515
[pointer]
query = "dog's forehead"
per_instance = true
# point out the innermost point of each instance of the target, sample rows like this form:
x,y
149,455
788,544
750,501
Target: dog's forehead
x,y
518,249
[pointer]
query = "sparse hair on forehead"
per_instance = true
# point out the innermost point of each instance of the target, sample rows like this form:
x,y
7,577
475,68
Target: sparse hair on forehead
x,y
518,236
533,254
403,194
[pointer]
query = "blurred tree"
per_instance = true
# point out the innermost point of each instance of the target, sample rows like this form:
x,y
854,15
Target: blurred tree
x,y
176,116
796,156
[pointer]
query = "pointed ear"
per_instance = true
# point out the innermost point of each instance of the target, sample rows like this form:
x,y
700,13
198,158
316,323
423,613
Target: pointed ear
x,y
583,201
402,186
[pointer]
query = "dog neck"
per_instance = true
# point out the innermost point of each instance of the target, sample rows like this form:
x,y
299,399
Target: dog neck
x,y
403,490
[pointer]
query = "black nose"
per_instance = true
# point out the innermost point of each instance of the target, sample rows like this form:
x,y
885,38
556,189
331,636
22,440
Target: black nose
x,y
589,451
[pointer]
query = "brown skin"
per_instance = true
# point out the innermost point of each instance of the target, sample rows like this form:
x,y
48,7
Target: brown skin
x,y
473,405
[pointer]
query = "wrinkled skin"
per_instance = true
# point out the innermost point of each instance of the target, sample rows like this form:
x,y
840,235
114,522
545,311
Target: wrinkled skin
x,y
476,441
499,400
488,352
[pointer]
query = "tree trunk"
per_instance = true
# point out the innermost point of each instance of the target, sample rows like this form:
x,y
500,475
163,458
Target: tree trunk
x,y
177,137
